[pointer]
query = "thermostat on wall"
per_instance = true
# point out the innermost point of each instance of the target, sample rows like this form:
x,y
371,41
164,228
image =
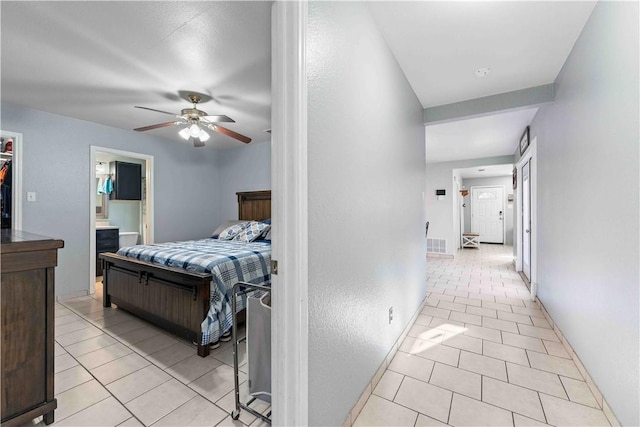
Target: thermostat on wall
x,y
440,194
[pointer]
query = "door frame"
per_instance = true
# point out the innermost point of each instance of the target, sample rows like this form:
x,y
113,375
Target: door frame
x,y
289,211
529,156
504,215
458,212
16,183
92,202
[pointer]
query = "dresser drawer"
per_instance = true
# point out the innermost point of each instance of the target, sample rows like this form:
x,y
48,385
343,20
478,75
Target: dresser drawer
x,y
106,245
109,233
107,240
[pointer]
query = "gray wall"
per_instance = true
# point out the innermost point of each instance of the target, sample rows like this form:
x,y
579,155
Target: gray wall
x,y
246,168
588,214
440,212
507,183
366,217
57,167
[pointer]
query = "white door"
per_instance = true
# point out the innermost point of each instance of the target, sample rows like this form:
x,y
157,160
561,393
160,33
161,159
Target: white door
x,y
487,213
526,220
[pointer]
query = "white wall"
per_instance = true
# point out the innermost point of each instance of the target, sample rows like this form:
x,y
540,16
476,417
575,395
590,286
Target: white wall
x,y
125,214
502,181
246,168
440,212
57,167
588,209
366,215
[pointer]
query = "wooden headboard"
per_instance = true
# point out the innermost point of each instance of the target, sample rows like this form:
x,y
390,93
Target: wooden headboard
x,y
254,205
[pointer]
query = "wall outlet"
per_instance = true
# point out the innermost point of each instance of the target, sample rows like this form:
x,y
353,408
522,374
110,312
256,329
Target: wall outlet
x,y
390,314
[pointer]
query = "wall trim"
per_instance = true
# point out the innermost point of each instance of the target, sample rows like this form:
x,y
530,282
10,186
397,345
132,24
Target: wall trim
x,y
368,390
17,184
600,400
289,321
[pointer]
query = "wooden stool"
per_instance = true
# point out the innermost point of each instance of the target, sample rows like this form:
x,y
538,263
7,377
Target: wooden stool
x,y
470,240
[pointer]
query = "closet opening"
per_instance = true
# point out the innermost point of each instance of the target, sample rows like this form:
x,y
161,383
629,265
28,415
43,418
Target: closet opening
x,y
10,180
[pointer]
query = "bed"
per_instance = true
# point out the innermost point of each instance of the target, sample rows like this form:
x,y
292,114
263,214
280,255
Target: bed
x,y
190,303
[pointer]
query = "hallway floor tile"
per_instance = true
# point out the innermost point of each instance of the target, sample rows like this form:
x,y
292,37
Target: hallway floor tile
x,y
484,355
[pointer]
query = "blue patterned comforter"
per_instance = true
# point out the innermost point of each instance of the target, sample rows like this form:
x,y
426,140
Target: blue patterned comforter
x,y
228,262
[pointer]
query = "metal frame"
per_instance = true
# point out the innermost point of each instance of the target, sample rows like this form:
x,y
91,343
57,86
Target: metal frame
x,y
235,292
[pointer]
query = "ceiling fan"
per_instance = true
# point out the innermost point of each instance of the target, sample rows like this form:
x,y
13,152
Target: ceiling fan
x,y
194,122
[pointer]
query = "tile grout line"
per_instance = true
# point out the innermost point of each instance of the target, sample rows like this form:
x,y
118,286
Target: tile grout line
x,y
544,413
103,386
396,393
150,363
450,407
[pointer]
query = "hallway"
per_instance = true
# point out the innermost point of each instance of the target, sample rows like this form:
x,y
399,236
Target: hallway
x,y
480,354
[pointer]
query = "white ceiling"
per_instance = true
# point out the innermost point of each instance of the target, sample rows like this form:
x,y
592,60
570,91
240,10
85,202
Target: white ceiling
x,y
486,171
96,60
439,44
489,136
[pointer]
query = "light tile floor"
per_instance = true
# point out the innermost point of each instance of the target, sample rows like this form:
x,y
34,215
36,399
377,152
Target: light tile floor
x,y
480,354
113,369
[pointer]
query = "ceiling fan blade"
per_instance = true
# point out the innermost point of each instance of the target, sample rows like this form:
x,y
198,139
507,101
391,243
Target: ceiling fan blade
x,y
218,119
157,111
196,142
159,125
230,133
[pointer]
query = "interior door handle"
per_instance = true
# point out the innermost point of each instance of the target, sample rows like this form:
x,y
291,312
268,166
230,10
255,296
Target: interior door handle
x,y
526,231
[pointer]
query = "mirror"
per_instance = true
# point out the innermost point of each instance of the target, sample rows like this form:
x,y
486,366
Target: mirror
x,y
102,203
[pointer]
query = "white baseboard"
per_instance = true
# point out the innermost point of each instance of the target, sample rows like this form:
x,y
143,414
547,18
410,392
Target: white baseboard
x,y
381,369
600,400
437,255
72,295
602,403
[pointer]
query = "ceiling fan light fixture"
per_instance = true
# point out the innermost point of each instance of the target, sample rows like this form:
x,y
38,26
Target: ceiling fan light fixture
x,y
194,130
185,133
204,136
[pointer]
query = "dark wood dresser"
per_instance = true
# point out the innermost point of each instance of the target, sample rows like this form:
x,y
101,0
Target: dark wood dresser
x,y
27,320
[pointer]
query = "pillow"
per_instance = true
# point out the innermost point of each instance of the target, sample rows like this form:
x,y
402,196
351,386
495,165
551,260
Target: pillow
x,y
226,225
266,234
252,231
231,232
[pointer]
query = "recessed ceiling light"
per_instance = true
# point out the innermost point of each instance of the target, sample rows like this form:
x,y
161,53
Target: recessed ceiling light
x,y
482,72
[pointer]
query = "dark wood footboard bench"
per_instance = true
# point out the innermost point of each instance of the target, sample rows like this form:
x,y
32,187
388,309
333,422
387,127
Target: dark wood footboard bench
x,y
174,299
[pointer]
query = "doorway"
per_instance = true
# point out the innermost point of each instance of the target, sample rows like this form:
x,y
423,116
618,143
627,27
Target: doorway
x,y
132,217
526,220
526,244
11,164
487,213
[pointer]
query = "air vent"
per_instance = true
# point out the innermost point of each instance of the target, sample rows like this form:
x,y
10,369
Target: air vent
x,y
437,246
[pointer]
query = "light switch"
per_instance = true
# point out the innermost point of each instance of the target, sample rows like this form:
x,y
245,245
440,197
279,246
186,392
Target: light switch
x,y
31,196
